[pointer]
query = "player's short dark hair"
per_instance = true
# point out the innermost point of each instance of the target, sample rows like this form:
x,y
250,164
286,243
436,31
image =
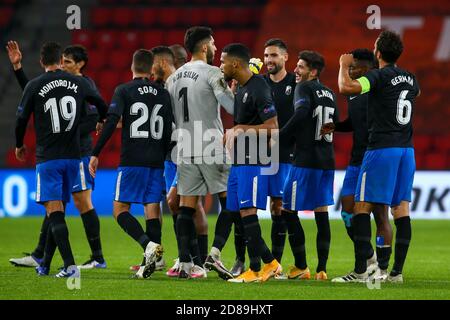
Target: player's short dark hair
x,y
50,53
194,36
163,51
390,46
238,50
78,53
277,43
313,59
364,55
142,61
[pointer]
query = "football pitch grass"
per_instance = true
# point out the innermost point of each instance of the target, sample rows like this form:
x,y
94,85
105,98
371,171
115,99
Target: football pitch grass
x,y
426,272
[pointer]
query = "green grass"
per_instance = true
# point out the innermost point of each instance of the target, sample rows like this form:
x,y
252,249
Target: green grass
x,y
426,273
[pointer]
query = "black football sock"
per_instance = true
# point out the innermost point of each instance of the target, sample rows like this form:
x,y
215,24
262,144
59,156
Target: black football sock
x,y
383,253
266,254
223,226
174,217
347,218
133,228
50,247
153,230
61,236
296,238
361,238
254,241
185,224
194,249
402,240
203,246
323,239
239,236
278,235
92,228
39,250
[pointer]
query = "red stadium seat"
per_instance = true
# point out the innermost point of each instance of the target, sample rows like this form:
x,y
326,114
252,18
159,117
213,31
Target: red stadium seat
x,y
126,75
109,159
342,160
173,36
247,37
151,38
129,40
101,17
222,37
147,17
442,143
97,60
217,16
6,16
436,161
123,17
83,38
108,80
119,60
169,16
195,17
107,39
422,143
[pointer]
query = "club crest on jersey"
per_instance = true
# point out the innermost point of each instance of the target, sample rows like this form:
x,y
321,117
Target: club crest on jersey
x,y
244,99
288,90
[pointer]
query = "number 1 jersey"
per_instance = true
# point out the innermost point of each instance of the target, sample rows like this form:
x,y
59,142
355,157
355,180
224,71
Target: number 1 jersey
x,y
197,89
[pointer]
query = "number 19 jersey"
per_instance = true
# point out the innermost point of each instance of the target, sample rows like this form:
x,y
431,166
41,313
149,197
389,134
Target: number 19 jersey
x,y
196,89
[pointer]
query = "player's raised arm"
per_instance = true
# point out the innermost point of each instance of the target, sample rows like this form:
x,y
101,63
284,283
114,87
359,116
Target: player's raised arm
x,y
348,86
15,57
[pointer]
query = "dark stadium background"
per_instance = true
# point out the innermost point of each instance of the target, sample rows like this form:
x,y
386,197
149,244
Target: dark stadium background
x,y
111,30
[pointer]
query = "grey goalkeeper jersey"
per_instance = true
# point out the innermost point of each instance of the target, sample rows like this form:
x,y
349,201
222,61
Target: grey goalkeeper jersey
x,y
197,90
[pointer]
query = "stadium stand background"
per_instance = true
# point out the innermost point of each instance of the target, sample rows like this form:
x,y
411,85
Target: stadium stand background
x,y
113,29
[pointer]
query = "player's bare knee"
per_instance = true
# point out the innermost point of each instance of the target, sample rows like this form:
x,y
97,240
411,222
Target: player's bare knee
x,y
276,205
362,208
348,204
402,210
82,201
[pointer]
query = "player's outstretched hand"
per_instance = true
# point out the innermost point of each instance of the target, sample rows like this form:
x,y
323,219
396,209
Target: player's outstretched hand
x,y
14,54
327,128
346,59
255,65
21,153
93,164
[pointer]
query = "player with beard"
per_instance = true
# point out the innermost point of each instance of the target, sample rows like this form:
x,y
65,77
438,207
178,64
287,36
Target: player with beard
x,y
197,90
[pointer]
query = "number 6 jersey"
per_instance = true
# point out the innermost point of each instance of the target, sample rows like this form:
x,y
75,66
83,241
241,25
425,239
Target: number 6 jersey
x,y
392,92
57,100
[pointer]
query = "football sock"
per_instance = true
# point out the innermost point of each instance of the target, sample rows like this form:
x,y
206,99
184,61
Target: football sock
x,y
383,253
153,230
322,239
92,228
50,247
61,236
254,241
185,230
239,236
39,251
174,217
278,235
347,218
402,240
194,248
296,238
361,238
223,225
203,246
133,228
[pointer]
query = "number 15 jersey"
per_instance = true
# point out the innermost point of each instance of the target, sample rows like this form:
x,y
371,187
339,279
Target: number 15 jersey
x,y
313,150
197,91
